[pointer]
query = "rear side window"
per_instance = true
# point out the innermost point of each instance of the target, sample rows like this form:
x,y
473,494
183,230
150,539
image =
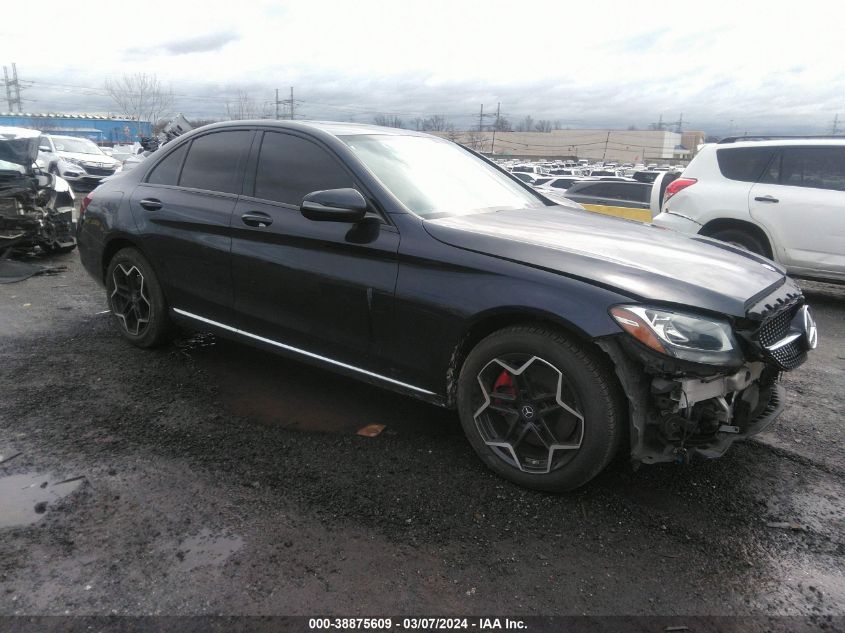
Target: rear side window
x,y
815,167
215,161
290,167
166,172
744,163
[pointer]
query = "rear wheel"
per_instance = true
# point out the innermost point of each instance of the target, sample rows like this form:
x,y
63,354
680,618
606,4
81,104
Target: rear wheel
x,y
741,239
136,300
540,409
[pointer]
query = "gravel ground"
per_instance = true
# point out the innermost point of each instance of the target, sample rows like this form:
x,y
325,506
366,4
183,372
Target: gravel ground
x,y
208,477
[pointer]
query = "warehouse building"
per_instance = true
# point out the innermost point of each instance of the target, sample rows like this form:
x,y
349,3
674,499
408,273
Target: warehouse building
x,y
104,130
623,146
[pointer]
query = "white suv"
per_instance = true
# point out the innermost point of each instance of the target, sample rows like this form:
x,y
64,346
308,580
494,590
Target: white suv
x,y
784,199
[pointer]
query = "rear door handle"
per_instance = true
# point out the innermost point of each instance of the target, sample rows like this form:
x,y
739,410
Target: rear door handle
x,y
256,219
766,199
150,204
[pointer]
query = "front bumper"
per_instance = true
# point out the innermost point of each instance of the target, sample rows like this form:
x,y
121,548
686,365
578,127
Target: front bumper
x,y
676,415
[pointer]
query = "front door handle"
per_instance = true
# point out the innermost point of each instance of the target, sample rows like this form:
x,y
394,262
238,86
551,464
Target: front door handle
x,y
151,204
766,199
256,219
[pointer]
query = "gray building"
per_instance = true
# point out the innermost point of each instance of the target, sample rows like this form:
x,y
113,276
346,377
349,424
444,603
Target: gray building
x,y
624,146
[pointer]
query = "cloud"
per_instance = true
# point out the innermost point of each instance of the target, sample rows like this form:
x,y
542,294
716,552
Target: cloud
x,y
206,43
584,64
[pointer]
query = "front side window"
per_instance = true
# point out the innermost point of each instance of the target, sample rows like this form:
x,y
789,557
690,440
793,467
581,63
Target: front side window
x,y
433,177
290,167
814,167
215,161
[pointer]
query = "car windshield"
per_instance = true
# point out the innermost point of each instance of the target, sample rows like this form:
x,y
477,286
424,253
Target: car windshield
x,y
76,145
433,177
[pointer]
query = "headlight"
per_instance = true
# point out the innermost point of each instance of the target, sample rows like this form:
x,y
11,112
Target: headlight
x,y
75,161
684,336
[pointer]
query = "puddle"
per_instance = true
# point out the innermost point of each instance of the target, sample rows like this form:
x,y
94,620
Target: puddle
x,y
206,549
277,391
26,498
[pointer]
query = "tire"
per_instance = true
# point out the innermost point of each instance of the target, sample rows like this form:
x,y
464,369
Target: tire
x,y
742,239
541,358
136,300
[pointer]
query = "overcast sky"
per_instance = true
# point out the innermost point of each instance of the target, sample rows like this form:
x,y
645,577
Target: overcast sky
x,y
755,66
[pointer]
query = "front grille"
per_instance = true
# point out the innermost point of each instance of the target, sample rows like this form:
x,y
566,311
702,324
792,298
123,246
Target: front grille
x,y
775,328
789,356
99,171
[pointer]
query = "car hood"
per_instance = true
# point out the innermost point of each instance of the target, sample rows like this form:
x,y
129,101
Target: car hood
x,y
98,159
19,146
642,261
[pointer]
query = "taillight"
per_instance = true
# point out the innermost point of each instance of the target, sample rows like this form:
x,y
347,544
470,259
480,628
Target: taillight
x,y
679,184
85,202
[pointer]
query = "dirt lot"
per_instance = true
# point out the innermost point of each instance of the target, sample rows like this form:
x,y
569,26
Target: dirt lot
x,y
208,477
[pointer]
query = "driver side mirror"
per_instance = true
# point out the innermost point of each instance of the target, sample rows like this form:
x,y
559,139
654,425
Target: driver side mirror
x,y
44,148
334,205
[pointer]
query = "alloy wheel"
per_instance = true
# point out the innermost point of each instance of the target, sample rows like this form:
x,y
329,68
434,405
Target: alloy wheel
x,y
129,300
529,414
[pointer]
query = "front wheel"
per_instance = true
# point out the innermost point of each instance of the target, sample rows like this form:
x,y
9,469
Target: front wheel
x,y
540,409
136,299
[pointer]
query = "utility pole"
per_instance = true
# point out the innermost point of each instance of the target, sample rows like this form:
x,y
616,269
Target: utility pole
x,y
285,103
835,130
495,127
8,88
680,124
13,88
17,85
481,119
606,141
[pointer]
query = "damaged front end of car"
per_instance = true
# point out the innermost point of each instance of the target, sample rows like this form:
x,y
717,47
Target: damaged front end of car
x,y
36,208
695,384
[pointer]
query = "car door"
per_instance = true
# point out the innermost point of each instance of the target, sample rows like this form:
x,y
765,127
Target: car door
x,y
321,287
183,211
800,200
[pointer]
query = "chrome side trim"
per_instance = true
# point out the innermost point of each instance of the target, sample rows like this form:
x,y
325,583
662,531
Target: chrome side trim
x,y
290,348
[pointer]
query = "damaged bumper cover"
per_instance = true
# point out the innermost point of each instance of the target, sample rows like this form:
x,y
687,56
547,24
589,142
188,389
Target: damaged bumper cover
x,y
36,209
680,409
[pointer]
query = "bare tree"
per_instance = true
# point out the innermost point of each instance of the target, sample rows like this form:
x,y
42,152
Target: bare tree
x,y
141,96
454,135
502,125
543,126
437,123
388,120
526,125
242,107
475,140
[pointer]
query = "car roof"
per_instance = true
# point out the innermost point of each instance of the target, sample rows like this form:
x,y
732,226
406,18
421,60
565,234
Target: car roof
x,y
782,142
335,128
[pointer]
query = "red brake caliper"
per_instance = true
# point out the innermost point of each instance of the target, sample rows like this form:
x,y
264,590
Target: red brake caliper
x,y
504,384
